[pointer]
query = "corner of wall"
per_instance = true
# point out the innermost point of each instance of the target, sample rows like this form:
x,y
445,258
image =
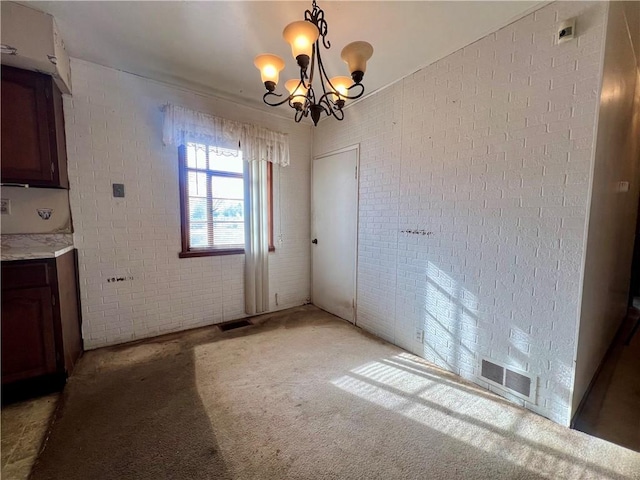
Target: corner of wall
x,y
609,230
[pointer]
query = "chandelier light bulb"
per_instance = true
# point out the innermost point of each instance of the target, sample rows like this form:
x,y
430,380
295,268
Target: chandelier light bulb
x,y
297,91
301,36
270,67
355,56
341,85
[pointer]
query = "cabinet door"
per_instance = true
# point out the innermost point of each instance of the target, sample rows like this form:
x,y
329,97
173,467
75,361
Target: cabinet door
x,y
28,344
26,142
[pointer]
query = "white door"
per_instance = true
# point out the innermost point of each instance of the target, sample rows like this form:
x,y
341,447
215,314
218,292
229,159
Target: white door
x,y
334,228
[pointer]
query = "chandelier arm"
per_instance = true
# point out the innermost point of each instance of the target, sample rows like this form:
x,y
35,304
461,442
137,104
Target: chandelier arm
x,y
326,104
333,92
311,96
300,114
329,104
337,113
323,75
277,104
358,95
314,52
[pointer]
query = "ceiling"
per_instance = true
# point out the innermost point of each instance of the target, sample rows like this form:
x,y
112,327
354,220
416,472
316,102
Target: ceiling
x,y
210,46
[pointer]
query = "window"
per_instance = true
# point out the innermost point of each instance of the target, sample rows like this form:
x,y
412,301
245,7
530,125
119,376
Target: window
x,y
212,200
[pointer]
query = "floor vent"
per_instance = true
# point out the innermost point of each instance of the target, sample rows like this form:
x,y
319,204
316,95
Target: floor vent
x,y
514,381
233,325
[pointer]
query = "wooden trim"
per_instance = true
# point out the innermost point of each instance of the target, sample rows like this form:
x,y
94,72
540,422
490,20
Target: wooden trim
x,y
78,297
211,253
355,146
184,210
634,284
66,268
184,213
57,140
216,252
57,317
612,351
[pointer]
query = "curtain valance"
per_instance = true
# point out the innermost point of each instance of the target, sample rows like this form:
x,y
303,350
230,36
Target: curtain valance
x,y
182,125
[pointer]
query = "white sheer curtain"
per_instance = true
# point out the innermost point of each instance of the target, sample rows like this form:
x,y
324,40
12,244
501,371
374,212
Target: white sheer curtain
x,y
182,125
258,145
256,233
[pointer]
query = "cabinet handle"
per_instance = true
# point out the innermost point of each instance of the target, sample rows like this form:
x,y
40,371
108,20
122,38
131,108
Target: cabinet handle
x,y
53,300
23,185
53,168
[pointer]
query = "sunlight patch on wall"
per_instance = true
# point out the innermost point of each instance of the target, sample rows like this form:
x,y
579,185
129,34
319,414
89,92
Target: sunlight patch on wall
x,y
450,322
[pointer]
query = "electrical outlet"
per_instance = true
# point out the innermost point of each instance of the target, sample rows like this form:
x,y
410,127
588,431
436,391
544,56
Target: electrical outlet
x,y
5,206
623,187
420,336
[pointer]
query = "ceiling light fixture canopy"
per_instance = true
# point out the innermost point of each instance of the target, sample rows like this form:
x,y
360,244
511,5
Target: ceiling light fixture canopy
x,y
304,37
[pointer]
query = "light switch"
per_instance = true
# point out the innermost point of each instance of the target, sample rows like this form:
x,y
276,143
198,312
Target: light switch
x,y
118,190
623,187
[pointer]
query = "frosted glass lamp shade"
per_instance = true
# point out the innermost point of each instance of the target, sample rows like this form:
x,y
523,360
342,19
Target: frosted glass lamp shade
x,y
270,67
297,91
301,36
356,55
341,85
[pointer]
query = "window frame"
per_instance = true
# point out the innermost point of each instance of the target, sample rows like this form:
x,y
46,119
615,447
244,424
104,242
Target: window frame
x,y
186,251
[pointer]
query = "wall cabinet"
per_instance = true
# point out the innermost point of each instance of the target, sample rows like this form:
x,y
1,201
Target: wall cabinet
x,y
41,335
33,139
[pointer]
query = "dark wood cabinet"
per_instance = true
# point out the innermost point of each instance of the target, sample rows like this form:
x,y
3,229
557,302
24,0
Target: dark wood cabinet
x,y
28,344
41,335
33,138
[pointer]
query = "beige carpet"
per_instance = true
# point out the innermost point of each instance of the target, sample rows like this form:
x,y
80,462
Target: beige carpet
x,y
302,396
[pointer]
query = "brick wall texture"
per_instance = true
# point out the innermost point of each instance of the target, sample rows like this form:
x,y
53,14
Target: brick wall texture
x,y
114,135
490,149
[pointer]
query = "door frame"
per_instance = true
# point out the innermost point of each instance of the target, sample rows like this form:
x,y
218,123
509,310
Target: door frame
x,y
355,147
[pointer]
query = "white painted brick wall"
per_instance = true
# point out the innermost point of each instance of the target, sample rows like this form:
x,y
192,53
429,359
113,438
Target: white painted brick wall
x,y
113,126
489,149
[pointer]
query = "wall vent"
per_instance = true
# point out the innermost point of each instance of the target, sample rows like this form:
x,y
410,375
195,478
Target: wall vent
x,y
232,325
514,381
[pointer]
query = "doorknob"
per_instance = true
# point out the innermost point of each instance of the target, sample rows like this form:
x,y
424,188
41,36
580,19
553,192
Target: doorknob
x,y
315,240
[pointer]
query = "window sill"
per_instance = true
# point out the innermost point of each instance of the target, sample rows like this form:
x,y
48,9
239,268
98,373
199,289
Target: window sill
x,y
215,253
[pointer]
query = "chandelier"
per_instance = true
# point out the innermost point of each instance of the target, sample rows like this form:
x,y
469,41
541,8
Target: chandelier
x,y
314,93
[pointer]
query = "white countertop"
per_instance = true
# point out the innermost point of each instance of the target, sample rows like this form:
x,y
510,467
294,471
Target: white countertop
x,y
35,246
33,252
